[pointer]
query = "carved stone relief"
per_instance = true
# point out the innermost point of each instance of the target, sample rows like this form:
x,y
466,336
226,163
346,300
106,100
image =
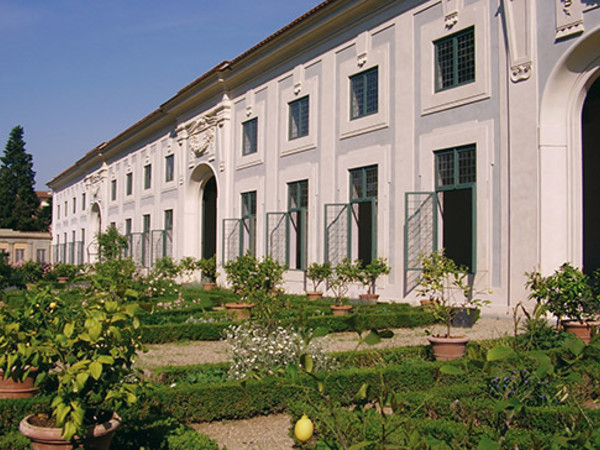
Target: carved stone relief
x,y
451,9
569,18
93,183
519,36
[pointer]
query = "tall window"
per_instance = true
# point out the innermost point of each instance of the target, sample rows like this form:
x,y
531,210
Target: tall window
x,y
83,201
129,183
250,138
455,59
113,190
147,176
249,222
128,227
146,240
298,211
58,211
169,168
19,255
364,93
168,219
363,198
66,210
298,118
74,205
455,179
146,223
40,255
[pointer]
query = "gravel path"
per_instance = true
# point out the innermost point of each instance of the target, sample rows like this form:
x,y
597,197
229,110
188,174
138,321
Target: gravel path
x,y
198,352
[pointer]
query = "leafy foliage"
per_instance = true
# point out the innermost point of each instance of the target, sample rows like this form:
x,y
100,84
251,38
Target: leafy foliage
x,y
318,274
112,244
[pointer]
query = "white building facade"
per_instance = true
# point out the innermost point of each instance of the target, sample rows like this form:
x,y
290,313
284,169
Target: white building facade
x,y
363,129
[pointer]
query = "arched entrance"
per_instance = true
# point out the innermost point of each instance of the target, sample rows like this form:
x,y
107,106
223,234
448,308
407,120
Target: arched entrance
x,y
590,134
95,228
209,218
202,200
567,163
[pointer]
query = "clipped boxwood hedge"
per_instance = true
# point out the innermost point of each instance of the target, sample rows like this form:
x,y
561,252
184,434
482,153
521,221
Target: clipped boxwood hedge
x,y
171,332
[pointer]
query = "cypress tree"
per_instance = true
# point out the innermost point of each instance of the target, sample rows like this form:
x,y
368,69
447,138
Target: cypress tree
x,y
18,202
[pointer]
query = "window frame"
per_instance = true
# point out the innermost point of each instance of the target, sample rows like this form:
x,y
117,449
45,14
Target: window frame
x,y
250,137
169,168
302,123
453,39
361,79
129,184
113,190
248,220
148,176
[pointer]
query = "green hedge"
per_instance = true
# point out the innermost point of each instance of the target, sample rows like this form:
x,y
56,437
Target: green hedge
x,y
159,334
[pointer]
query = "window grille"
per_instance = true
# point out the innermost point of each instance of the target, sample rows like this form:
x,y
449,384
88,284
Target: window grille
x,y
250,132
298,126
364,95
455,167
455,59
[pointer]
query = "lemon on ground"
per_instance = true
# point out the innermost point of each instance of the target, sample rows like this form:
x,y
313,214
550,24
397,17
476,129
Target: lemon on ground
x,y
303,429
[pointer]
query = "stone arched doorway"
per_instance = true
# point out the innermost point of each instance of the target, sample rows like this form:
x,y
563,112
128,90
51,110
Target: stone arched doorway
x,y
202,208
94,228
565,196
590,135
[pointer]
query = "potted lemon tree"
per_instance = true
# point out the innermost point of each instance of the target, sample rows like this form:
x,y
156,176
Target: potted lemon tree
x,y
571,296
445,284
344,273
208,267
95,346
368,276
317,274
26,345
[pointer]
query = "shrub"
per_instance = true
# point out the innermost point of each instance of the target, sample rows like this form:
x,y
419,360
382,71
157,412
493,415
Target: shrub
x,y
265,350
111,244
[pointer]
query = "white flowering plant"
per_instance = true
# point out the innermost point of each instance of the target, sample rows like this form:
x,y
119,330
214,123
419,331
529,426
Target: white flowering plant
x,y
263,350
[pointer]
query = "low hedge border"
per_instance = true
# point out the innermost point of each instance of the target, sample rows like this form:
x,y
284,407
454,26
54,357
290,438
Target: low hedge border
x,y
160,334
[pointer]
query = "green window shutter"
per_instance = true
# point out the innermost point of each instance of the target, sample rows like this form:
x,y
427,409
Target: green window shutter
x,y
420,232
232,239
278,234
337,232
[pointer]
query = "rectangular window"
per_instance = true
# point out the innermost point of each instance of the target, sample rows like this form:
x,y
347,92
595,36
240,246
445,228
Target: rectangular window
x,y
455,59
250,132
146,223
58,211
113,225
169,168
455,181
83,201
298,118
74,205
147,176
66,210
128,227
129,183
298,212
113,190
364,93
168,219
249,222
19,255
40,255
363,200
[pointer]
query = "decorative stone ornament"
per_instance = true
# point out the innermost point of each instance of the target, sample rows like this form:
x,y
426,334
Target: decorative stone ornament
x,y
451,9
200,135
519,37
569,18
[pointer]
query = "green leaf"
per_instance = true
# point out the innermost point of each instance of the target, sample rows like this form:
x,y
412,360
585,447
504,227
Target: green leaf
x,y
96,370
487,443
69,431
386,334
372,338
306,362
498,353
80,380
68,330
105,359
575,345
362,392
360,445
61,413
94,329
448,369
320,332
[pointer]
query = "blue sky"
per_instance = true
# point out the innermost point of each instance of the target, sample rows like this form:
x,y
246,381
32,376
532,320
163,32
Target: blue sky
x,y
75,73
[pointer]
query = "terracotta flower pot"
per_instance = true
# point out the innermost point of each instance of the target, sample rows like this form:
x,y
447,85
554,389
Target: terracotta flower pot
x,y
448,348
18,389
43,438
584,330
209,286
239,310
314,295
369,299
341,310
